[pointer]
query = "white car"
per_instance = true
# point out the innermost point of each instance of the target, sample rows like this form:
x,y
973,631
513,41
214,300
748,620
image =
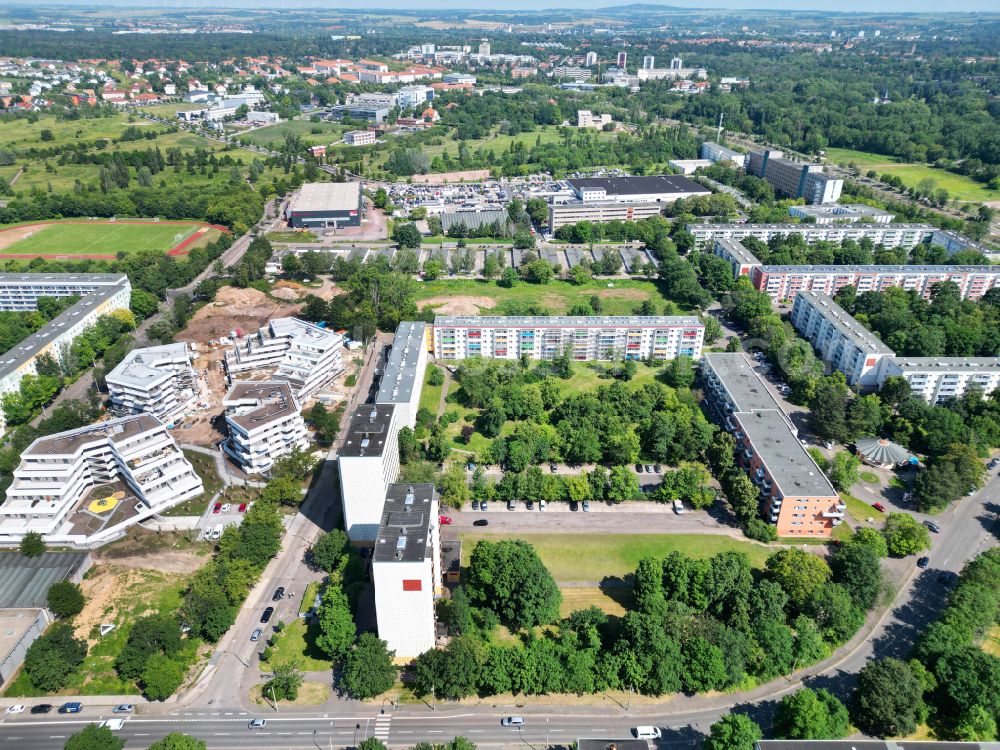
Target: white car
x,y
226,507
16,709
115,725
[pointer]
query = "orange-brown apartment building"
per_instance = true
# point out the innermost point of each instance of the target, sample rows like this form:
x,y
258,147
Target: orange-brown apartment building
x,y
795,495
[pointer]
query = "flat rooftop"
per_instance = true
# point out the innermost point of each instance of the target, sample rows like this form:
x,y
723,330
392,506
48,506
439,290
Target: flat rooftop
x,y
404,531
400,375
737,251
305,333
834,210
68,443
108,279
791,467
28,349
143,367
327,196
747,391
25,581
874,270
565,321
368,432
843,322
251,404
947,363
721,227
666,184
474,219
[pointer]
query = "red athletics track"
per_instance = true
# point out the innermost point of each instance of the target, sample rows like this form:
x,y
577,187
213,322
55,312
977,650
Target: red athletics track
x,y
179,249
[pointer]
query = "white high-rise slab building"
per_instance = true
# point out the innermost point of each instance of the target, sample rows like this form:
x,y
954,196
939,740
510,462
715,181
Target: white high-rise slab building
x,y
157,380
403,374
368,463
264,423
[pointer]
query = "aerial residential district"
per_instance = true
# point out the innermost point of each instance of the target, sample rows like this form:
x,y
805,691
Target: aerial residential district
x,y
602,378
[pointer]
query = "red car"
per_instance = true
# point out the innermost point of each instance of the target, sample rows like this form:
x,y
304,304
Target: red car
x,y
217,507
445,521
879,507
243,507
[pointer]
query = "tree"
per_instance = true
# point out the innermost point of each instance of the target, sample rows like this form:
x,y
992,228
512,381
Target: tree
x,y
53,657
623,485
508,277
161,677
856,566
291,264
844,470
508,578
407,235
329,550
811,715
888,700
368,670
904,535
733,732
829,409
704,666
94,737
282,491
336,625
799,574
178,741
372,743
65,599
32,544
869,537
285,684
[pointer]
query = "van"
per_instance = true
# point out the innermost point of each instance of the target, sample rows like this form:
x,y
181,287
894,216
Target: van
x,y
646,733
512,721
71,708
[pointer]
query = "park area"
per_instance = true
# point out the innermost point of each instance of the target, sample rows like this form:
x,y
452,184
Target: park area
x,y
103,239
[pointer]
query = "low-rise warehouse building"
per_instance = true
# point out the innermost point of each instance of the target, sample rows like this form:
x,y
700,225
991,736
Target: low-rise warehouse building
x,y
664,188
265,423
326,204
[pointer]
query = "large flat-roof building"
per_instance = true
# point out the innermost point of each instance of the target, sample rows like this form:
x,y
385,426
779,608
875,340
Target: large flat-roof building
x,y
794,493
403,374
716,153
326,204
85,486
588,338
840,340
795,179
298,352
157,380
265,423
368,463
101,293
561,214
665,188
406,568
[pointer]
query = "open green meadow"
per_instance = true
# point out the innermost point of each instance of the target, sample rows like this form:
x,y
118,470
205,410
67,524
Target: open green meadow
x,y
958,186
311,133
101,238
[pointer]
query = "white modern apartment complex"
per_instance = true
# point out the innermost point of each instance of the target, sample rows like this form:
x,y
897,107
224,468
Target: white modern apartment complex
x,y
840,340
368,463
52,489
157,380
588,338
403,374
300,353
264,424
406,568
888,235
935,379
101,293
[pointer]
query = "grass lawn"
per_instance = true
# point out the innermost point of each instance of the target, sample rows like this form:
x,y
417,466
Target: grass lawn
x,y
591,557
310,694
274,135
297,642
555,297
102,238
860,510
204,466
958,186
867,476
139,592
430,395
574,598
305,236
309,596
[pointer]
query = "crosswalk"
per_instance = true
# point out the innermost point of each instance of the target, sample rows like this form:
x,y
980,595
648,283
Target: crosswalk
x,y
381,732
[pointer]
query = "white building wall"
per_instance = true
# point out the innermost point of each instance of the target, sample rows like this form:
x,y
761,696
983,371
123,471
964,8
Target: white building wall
x,y
364,481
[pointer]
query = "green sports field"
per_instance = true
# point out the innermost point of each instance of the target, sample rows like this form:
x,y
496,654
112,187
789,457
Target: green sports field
x,y
95,239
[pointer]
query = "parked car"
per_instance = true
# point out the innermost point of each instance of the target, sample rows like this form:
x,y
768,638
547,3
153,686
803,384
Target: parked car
x,y
279,594
217,507
923,562
483,505
480,522
586,506
932,526
541,505
678,507
444,520
72,707
255,635
638,468
267,615
657,468
553,468
475,505
217,532
879,507
257,723
16,708
226,507
123,708
529,504
646,733
511,505
41,708
242,508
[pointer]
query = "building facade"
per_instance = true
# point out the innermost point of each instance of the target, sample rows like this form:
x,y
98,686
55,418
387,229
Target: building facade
x,y
841,213
889,235
936,379
326,204
59,471
714,153
794,493
359,137
157,380
406,569
403,374
588,338
368,463
794,179
265,423
561,214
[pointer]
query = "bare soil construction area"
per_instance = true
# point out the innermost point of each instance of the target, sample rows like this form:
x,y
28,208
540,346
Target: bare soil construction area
x,y
458,305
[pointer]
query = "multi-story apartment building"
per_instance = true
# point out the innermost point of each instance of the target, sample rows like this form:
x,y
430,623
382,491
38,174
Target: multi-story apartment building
x,y
59,475
406,568
794,493
369,463
737,255
841,213
840,340
102,293
889,235
588,338
300,353
157,380
264,422
936,379
403,374
716,153
784,282
561,214
795,179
